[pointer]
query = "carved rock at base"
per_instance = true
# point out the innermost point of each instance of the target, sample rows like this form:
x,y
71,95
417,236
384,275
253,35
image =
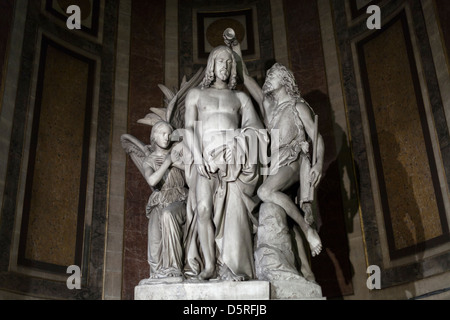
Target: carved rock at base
x,y
274,255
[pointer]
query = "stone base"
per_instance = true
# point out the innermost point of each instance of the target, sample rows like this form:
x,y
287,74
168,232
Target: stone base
x,y
295,290
229,290
153,281
208,290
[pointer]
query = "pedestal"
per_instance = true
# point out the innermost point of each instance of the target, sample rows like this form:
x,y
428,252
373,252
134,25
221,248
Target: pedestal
x,y
295,290
210,290
229,290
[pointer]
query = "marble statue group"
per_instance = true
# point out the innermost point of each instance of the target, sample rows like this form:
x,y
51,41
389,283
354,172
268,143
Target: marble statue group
x,y
232,178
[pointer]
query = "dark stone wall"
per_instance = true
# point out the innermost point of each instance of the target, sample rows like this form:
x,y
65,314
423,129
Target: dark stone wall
x,y
355,31
6,20
38,18
332,266
443,12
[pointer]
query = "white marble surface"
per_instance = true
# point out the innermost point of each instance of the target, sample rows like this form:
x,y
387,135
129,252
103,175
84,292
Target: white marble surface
x,y
295,290
208,290
230,290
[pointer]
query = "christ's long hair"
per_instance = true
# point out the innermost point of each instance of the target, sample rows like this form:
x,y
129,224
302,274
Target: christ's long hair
x,y
210,76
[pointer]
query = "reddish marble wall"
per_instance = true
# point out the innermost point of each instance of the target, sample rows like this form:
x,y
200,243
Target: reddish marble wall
x,y
332,266
146,72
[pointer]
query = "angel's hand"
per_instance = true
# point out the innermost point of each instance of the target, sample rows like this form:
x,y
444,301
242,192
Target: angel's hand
x,y
168,158
176,155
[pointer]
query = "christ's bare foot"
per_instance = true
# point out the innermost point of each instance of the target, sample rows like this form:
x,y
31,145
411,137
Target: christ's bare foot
x,y
314,242
230,276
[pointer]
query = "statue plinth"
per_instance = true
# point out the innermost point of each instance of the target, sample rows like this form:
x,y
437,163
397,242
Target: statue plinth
x,y
230,290
301,289
208,290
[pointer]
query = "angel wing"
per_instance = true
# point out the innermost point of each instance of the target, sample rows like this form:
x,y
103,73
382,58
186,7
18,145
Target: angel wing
x,y
174,112
136,149
176,108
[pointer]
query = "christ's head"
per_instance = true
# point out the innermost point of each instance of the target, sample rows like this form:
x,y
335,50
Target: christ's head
x,y
221,65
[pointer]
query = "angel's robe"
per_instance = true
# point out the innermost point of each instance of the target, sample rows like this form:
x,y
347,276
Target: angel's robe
x,y
234,203
166,211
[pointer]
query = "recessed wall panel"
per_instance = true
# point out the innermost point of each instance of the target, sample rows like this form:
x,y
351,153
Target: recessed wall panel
x,y
53,217
411,198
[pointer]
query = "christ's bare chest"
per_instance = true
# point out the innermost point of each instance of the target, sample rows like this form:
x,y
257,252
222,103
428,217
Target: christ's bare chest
x,y
218,101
